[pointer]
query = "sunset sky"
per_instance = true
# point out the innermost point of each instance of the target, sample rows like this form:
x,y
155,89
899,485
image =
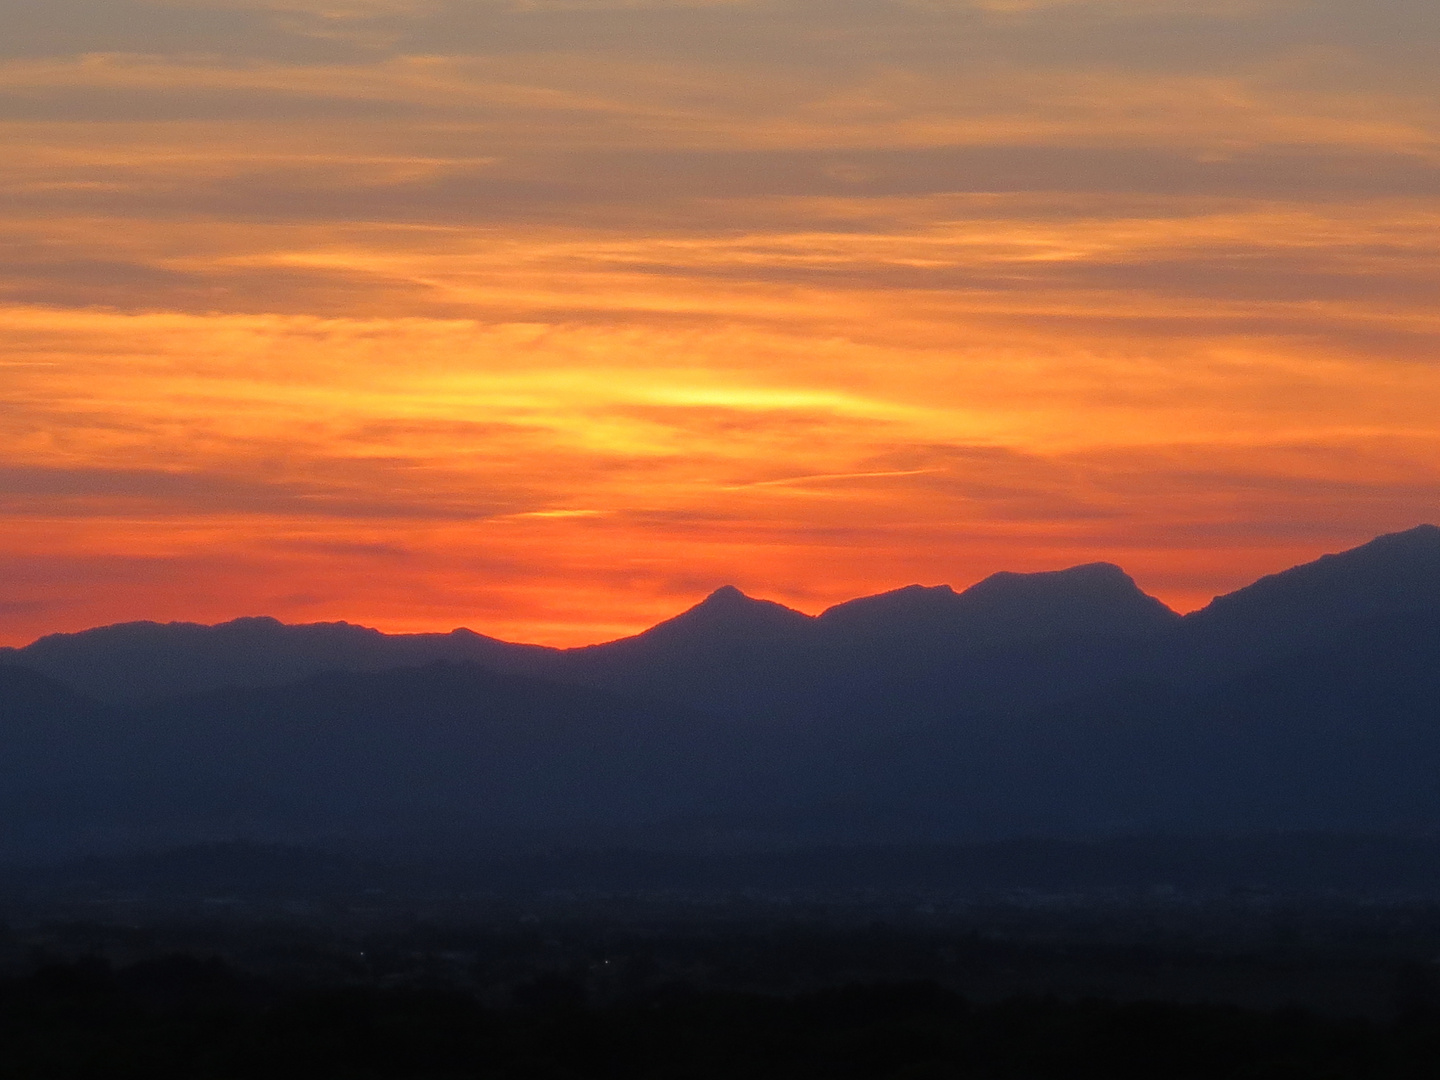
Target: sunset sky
x,y
546,317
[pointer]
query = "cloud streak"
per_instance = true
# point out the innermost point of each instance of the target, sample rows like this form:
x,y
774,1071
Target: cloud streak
x,y
545,317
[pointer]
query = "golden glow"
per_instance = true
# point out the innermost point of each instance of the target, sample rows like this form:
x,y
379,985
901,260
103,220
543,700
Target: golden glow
x,y
549,340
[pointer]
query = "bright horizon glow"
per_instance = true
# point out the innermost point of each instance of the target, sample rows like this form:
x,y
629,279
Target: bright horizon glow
x,y
546,319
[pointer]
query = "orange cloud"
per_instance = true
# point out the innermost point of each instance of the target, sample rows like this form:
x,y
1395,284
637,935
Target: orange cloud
x,y
548,334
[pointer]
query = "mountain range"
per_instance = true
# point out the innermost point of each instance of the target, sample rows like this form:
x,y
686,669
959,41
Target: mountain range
x,y
1067,703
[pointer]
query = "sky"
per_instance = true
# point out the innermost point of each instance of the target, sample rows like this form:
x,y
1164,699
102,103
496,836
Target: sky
x,y
547,317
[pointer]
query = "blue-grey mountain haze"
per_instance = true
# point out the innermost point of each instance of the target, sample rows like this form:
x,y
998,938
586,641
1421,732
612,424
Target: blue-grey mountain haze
x,y
1056,704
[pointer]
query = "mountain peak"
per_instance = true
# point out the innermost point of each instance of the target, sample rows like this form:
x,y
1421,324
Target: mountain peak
x,y
1097,598
1422,537
1095,574
889,611
726,615
727,595
147,660
1094,597
729,604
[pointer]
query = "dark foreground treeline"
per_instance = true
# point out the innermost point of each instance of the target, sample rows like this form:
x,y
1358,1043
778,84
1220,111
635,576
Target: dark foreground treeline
x,y
184,1017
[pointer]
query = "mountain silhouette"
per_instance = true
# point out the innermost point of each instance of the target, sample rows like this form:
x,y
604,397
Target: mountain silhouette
x,y
1307,606
912,651
1397,572
427,753
1094,599
139,661
27,696
727,613
1344,736
729,654
725,621
907,650
1066,703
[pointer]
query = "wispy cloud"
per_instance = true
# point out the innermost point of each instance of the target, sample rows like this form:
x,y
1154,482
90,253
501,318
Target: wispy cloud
x,y
545,316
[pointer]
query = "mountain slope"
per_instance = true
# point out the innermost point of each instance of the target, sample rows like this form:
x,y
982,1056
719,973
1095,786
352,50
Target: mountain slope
x,y
1341,736
730,654
1345,737
442,751
132,662
1064,703
1060,631
916,651
1394,573
1095,599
